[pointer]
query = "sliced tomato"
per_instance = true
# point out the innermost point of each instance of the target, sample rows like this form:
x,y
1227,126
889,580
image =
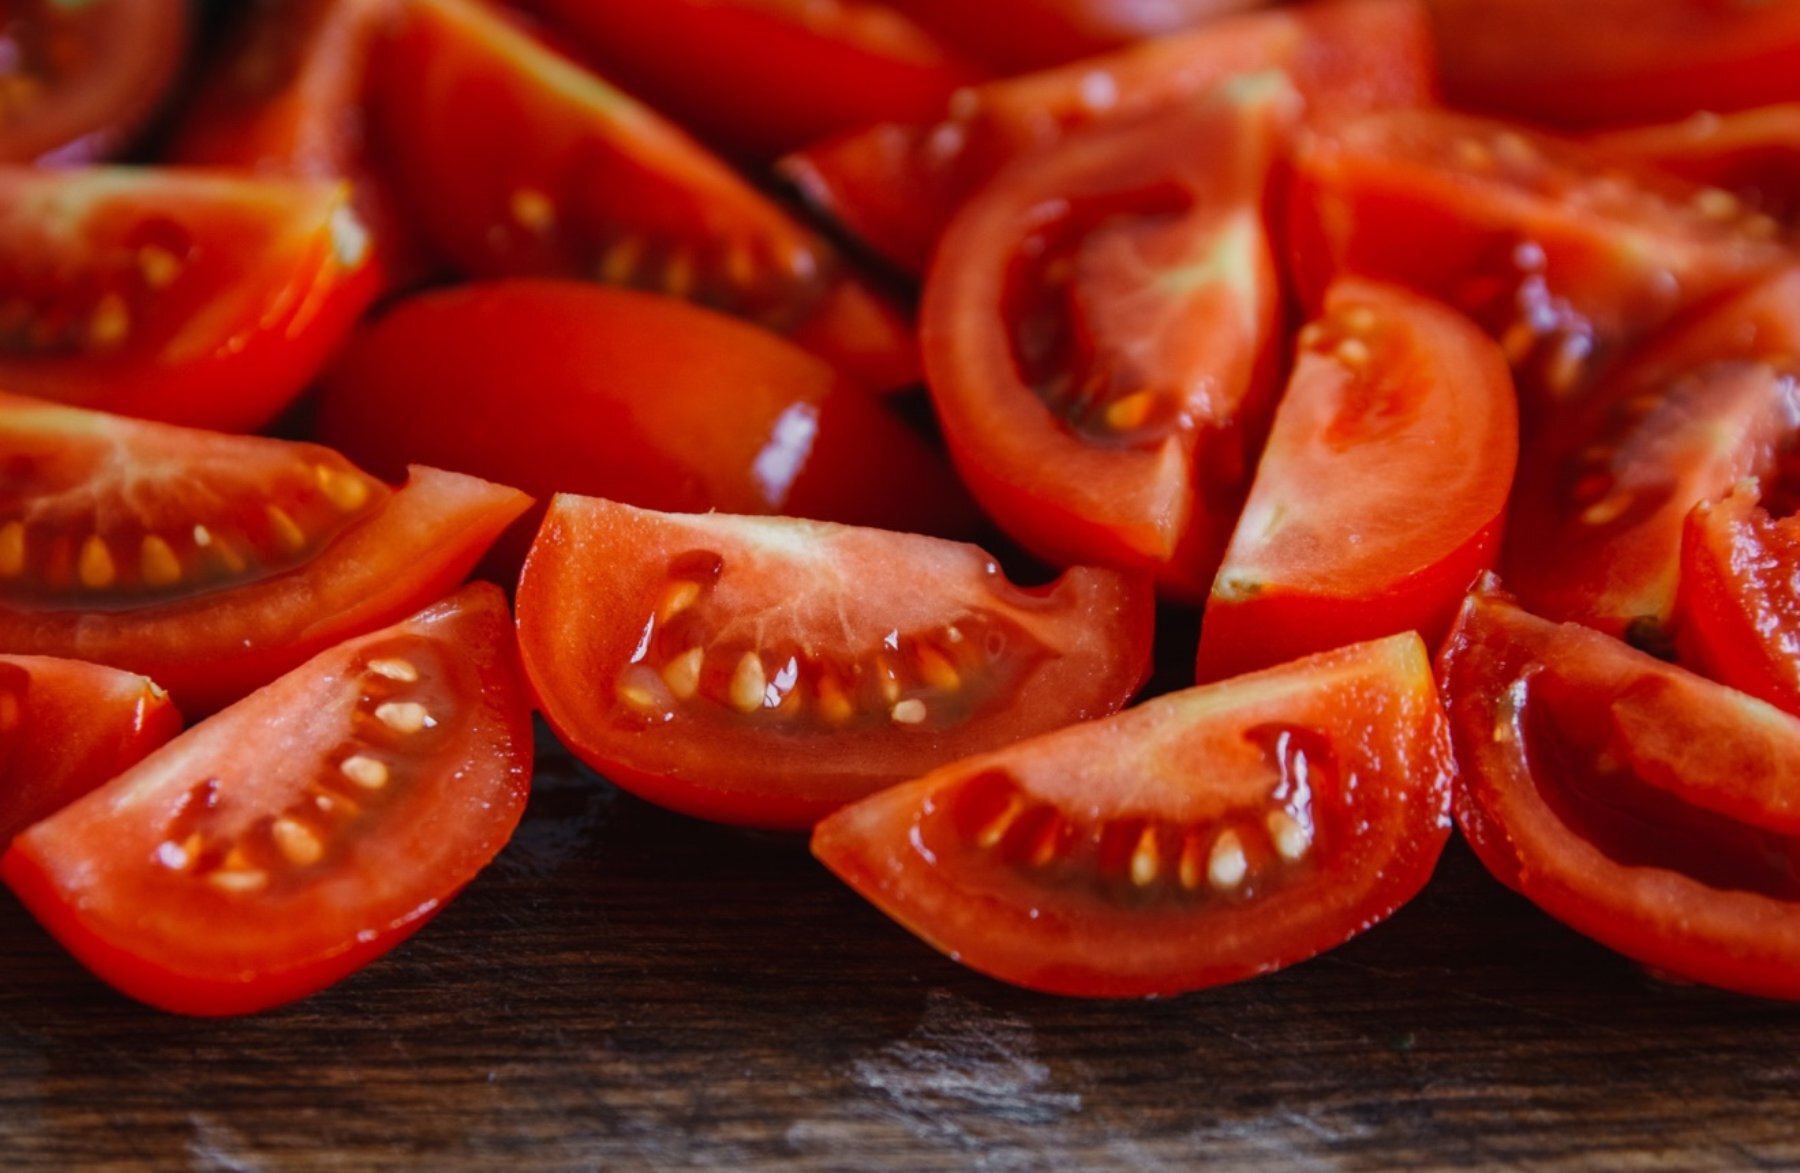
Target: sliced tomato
x,y
1654,811
1613,61
1099,331
1565,256
1752,157
767,671
1203,837
1379,497
1603,490
1738,607
764,76
561,386
77,80
206,300
302,833
519,162
66,727
895,186
212,564
1032,34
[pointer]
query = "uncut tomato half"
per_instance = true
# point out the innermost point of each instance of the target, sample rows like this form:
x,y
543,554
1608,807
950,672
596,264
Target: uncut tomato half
x,y
1738,607
518,162
78,80
1641,805
201,299
1379,496
66,727
218,877
1203,837
1099,332
765,671
214,563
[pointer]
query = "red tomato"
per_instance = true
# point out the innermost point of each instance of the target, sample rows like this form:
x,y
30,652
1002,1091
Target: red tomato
x,y
1203,837
1609,61
568,387
1099,331
1031,34
1380,494
896,186
297,836
1603,490
1753,156
198,299
66,727
1641,805
765,76
212,564
518,162
78,80
1738,608
765,671
1564,256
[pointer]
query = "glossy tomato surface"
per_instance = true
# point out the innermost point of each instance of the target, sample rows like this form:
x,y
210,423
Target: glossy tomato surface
x,y
1648,808
1203,837
66,727
1380,494
765,671
217,877
1738,607
1752,156
211,563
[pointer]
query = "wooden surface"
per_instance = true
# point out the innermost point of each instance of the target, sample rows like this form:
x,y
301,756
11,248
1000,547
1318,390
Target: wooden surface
x,y
628,989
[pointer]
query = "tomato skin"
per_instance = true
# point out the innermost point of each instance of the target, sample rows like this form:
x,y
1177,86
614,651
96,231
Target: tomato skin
x,y
1033,34
1391,393
1737,613
1028,863
901,653
67,727
1699,781
152,918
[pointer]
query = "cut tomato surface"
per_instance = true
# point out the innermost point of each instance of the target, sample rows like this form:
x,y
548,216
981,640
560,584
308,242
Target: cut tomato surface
x,y
1604,489
1738,607
1752,156
896,186
1567,257
212,564
206,300
66,727
1032,34
80,79
1617,61
764,76
217,877
1648,808
765,671
1380,494
1099,332
1203,837
519,162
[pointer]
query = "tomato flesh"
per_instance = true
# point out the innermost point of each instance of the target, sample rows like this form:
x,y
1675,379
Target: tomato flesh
x,y
1752,156
1203,837
216,878
1738,607
766,671
212,564
1032,34
1380,494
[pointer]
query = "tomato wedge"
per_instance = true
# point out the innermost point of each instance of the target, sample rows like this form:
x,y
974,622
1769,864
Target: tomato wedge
x,y
78,80
765,671
1647,808
1752,156
1381,491
518,162
1603,491
1032,34
1738,608
66,727
896,185
212,564
1203,837
1566,257
218,877
1099,332
205,300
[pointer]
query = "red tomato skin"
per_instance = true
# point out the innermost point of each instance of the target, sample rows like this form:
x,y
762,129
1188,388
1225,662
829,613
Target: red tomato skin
x,y
73,727
473,626
1034,34
1737,614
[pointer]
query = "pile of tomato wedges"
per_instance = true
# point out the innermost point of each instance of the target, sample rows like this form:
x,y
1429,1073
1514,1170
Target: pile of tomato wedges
x,y
1444,355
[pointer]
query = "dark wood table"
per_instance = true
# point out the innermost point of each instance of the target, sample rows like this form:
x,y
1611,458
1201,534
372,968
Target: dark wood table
x,y
626,989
